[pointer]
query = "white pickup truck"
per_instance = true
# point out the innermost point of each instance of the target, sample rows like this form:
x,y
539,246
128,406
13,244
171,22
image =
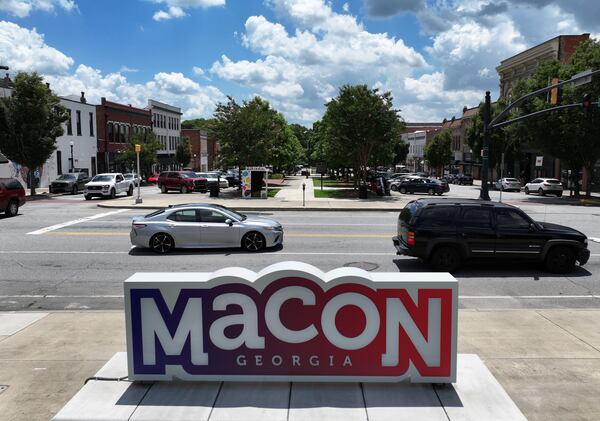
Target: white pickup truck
x,y
108,185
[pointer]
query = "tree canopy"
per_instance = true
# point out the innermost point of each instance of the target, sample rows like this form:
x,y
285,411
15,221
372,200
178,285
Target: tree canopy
x,y
183,152
360,128
439,152
30,122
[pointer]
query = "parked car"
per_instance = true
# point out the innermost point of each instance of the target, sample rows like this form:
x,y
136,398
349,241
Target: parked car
x,y
69,183
507,184
183,181
133,177
223,183
446,233
108,185
153,178
12,196
213,179
463,179
544,186
203,226
423,185
231,177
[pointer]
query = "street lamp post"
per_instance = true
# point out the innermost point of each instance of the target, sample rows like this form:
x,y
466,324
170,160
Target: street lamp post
x,y
487,135
72,162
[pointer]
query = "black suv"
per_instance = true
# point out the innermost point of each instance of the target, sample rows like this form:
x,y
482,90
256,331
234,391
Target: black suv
x,y
447,232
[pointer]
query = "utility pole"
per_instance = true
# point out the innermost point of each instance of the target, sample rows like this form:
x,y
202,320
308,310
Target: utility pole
x,y
487,135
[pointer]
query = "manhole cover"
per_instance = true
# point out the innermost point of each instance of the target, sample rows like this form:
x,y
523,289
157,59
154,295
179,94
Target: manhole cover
x,y
3,387
362,265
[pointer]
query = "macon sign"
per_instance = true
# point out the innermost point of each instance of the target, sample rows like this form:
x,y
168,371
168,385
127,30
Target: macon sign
x,y
292,322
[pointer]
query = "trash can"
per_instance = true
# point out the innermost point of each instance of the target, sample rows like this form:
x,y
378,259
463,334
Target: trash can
x,y
214,190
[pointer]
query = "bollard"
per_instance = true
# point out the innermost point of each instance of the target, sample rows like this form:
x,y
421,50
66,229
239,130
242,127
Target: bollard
x,y
303,194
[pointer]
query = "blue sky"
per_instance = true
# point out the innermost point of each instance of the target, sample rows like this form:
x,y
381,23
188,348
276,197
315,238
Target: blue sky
x,y
434,55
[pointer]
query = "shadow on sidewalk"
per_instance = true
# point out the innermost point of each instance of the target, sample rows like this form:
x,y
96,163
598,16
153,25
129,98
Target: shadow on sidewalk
x,y
492,270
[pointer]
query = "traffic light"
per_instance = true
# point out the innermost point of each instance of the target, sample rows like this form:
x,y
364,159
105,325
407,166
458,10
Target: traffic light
x,y
555,93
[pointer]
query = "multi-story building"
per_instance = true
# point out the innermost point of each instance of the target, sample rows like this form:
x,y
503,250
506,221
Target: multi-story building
x,y
204,149
116,124
77,148
522,66
166,124
416,150
463,160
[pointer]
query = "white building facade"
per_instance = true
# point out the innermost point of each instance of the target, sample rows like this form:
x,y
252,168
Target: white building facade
x,y
166,125
77,148
416,150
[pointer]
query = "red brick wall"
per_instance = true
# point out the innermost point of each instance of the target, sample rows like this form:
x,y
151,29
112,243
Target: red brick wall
x,y
568,44
112,111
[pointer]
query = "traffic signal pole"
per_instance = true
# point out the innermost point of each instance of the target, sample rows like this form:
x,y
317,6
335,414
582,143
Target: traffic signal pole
x,y
484,193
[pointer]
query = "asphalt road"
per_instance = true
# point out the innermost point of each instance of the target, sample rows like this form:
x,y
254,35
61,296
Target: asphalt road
x,y
81,265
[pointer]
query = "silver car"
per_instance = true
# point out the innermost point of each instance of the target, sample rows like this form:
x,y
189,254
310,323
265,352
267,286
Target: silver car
x,y
203,226
506,184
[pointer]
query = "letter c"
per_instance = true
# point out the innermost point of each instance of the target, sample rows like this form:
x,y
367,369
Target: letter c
x,y
273,308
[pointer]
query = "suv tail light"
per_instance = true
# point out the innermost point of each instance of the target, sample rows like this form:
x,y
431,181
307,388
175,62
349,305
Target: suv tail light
x,y
410,239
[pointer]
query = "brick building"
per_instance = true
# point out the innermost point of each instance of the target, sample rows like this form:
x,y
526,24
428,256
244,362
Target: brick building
x,y
463,161
116,124
204,149
522,66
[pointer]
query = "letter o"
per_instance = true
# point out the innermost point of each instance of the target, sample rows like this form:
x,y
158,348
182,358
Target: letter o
x,y
276,358
330,329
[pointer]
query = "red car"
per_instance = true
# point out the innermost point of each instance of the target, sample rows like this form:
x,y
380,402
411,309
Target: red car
x,y
183,181
12,196
153,179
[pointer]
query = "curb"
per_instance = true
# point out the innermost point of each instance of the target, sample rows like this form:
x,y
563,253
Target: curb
x,y
267,209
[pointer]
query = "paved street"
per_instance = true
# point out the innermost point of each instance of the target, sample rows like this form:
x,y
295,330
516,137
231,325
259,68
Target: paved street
x,y
81,254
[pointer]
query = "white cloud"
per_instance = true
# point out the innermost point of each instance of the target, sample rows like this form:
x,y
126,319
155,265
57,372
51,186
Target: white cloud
x,y
23,49
300,71
125,69
171,13
22,8
346,7
175,8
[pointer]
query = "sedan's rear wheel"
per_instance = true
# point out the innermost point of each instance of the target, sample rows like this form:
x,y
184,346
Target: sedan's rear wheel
x,y
254,241
560,260
162,243
403,190
394,187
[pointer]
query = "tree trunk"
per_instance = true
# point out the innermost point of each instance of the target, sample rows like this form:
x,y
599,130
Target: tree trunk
x,y
588,182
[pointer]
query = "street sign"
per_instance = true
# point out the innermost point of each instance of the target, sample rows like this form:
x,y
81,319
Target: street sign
x,y
539,161
292,322
138,148
583,79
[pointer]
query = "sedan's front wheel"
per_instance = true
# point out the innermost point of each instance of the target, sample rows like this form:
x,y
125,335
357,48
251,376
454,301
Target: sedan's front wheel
x,y
162,243
254,241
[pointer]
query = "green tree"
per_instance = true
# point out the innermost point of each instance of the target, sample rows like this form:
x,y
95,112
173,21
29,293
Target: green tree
x,y
401,149
360,126
183,152
439,152
304,134
249,134
287,150
199,123
149,147
570,135
30,122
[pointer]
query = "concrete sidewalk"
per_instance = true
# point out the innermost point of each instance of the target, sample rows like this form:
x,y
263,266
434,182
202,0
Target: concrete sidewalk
x,y
547,360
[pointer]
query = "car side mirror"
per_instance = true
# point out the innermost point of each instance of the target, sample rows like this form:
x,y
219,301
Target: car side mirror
x,y
532,227
229,222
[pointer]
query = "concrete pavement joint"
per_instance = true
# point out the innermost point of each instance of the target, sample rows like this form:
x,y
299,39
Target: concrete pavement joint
x,y
567,331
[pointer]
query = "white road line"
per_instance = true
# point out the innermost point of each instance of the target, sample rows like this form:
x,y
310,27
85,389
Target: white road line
x,y
75,221
594,239
60,252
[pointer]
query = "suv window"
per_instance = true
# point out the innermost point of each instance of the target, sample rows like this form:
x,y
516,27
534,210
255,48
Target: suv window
x,y
437,216
409,211
209,215
536,181
173,175
477,217
186,215
511,219
164,174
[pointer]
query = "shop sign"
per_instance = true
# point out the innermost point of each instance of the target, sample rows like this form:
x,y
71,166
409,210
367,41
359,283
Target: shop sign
x,y
292,322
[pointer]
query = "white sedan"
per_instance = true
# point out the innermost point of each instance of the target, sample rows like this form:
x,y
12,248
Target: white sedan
x,y
507,184
544,186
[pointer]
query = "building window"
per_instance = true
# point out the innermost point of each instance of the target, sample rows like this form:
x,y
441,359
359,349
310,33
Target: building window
x,y
69,126
58,162
78,122
111,132
91,124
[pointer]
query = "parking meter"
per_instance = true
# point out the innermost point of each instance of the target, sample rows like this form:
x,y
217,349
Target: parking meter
x,y
303,194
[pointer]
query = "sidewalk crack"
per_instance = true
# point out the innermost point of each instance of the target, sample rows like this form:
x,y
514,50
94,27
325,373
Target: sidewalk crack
x,y
568,332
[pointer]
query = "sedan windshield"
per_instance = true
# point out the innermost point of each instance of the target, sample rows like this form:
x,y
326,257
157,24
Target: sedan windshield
x,y
66,177
103,178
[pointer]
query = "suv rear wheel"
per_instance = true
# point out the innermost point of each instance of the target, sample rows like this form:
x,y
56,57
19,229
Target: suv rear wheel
x,y
560,259
163,188
13,208
445,259
541,192
184,189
